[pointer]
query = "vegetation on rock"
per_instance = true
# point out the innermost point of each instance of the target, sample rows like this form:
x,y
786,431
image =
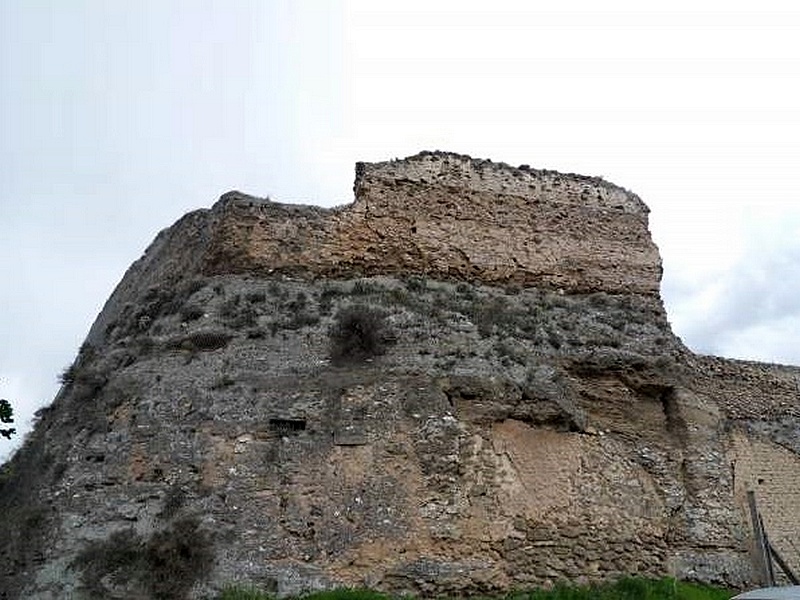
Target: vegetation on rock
x,y
6,418
359,332
166,565
631,588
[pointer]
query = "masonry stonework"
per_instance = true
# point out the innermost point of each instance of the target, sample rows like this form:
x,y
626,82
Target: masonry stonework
x,y
529,419
448,216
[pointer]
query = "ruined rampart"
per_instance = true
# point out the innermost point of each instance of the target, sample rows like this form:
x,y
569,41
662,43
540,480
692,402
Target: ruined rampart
x,y
451,217
462,382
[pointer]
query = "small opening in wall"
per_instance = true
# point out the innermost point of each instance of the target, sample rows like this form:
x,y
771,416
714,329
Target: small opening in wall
x,y
760,481
284,426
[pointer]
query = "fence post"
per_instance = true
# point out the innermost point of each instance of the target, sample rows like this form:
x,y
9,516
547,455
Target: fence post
x,y
762,549
783,565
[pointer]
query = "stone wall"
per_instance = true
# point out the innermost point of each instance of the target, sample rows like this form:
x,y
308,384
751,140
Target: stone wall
x,y
532,420
452,217
773,473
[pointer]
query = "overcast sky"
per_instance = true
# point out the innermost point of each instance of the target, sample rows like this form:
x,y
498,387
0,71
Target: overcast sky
x,y
118,117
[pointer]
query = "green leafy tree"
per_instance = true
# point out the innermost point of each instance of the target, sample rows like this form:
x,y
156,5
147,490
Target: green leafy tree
x,y
6,418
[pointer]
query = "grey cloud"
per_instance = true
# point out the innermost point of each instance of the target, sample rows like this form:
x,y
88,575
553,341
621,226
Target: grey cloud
x,y
760,293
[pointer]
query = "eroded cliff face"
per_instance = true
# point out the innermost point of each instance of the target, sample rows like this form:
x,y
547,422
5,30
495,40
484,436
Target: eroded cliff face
x,y
523,414
451,217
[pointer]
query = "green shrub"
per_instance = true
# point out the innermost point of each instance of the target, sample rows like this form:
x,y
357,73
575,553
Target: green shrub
x,y
173,502
256,297
327,297
299,303
237,312
176,559
364,287
167,565
301,319
417,284
117,560
358,332
275,289
6,418
68,374
230,307
510,349
246,317
84,381
300,313
467,292
492,315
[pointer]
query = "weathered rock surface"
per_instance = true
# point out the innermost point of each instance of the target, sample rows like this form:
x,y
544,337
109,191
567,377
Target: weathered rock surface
x,y
531,418
448,216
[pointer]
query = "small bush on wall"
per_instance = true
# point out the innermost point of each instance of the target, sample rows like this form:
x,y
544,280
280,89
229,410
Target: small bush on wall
x,y
358,332
166,565
177,558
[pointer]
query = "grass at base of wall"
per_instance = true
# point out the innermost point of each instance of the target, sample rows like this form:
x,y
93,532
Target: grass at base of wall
x,y
630,589
248,593
624,589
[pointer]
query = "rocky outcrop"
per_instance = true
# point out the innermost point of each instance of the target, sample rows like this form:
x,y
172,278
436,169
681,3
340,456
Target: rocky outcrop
x,y
463,382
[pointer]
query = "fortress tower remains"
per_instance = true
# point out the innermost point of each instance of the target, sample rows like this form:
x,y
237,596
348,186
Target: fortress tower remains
x,y
462,382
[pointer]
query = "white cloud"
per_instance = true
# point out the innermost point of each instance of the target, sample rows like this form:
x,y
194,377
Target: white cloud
x,y
752,309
